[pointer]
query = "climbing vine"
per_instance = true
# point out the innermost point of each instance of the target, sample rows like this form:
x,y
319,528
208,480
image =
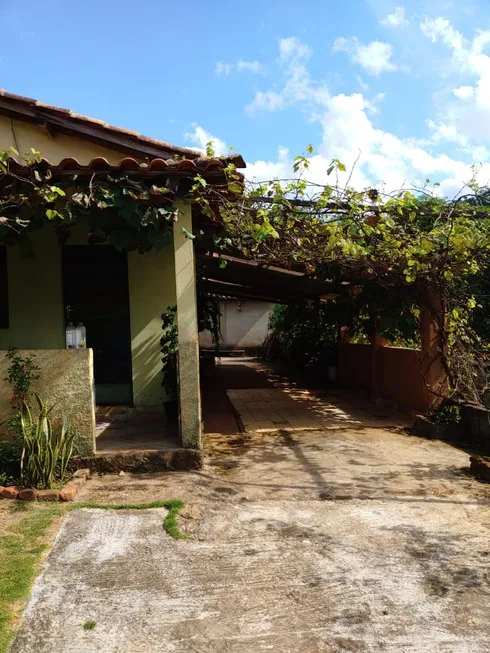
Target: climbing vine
x,y
169,347
209,316
408,242
129,213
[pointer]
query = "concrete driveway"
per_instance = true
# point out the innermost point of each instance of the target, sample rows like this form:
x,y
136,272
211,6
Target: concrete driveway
x,y
354,539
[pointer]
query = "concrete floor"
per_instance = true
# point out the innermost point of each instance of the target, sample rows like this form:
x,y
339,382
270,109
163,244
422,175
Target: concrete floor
x,y
123,429
355,538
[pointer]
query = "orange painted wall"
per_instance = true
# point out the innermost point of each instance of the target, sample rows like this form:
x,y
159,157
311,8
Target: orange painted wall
x,y
398,374
354,366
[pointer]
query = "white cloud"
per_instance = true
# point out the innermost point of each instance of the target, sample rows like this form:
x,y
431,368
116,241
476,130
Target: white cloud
x,y
266,101
374,57
396,19
249,66
384,158
464,92
199,138
296,83
364,85
293,48
265,170
348,131
224,69
469,114
440,29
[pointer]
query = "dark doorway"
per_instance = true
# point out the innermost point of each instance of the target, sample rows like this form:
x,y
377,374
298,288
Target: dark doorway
x,y
95,287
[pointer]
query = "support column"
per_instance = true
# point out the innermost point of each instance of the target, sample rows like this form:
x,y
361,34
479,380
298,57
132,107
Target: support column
x,y
189,392
431,321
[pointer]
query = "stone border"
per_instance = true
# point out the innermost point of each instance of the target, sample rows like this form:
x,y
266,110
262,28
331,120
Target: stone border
x,y
142,461
67,493
480,467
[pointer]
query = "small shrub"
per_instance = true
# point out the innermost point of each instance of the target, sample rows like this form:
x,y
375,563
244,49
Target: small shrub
x,y
10,455
450,414
21,374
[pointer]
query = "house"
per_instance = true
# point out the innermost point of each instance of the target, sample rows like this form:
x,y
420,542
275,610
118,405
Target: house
x,y
244,326
119,296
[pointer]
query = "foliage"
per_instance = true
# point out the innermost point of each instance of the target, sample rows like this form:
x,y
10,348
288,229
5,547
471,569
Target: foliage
x,y
389,312
21,374
131,214
305,333
410,241
10,455
169,346
46,451
447,414
209,316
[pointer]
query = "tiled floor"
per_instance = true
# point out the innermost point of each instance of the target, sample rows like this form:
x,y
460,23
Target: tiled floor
x,y
264,409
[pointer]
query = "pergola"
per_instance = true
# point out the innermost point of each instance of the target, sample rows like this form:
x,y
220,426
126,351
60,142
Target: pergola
x,y
230,275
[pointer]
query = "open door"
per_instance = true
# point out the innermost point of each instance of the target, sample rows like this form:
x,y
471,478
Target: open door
x,y
95,287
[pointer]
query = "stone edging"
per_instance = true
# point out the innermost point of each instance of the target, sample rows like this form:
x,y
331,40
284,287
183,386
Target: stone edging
x,y
67,493
480,467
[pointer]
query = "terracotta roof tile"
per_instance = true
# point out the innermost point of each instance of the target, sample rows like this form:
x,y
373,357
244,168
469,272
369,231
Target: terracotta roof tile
x,y
184,167
28,108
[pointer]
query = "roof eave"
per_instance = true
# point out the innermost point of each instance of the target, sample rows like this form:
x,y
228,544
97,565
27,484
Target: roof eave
x,y
97,131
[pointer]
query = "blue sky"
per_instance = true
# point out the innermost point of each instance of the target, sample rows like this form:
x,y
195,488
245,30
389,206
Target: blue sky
x,y
405,84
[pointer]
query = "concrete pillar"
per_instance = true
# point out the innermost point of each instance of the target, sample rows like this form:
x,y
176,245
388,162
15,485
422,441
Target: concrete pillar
x,y
431,323
189,393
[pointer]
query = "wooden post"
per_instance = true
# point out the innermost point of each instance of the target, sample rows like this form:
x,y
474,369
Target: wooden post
x,y
189,391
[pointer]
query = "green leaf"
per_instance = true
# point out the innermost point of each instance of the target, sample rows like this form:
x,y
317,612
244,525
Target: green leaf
x,y
235,187
188,234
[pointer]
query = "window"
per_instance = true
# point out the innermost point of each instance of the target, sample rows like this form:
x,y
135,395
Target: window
x,y
4,290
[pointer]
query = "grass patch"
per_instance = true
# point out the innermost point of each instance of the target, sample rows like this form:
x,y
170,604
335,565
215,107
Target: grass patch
x,y
24,543
170,523
21,551
89,625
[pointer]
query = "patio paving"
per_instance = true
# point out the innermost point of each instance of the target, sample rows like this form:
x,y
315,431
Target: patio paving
x,y
274,401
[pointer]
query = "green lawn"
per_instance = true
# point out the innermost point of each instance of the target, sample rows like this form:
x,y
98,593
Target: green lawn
x,y
25,534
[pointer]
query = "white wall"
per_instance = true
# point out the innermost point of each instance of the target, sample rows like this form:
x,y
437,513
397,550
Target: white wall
x,y
243,325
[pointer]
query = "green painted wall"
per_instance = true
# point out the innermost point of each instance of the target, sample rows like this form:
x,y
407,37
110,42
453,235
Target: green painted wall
x,y
37,312
151,290
35,296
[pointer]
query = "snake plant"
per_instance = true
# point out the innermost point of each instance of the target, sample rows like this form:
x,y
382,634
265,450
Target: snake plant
x,y
46,451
